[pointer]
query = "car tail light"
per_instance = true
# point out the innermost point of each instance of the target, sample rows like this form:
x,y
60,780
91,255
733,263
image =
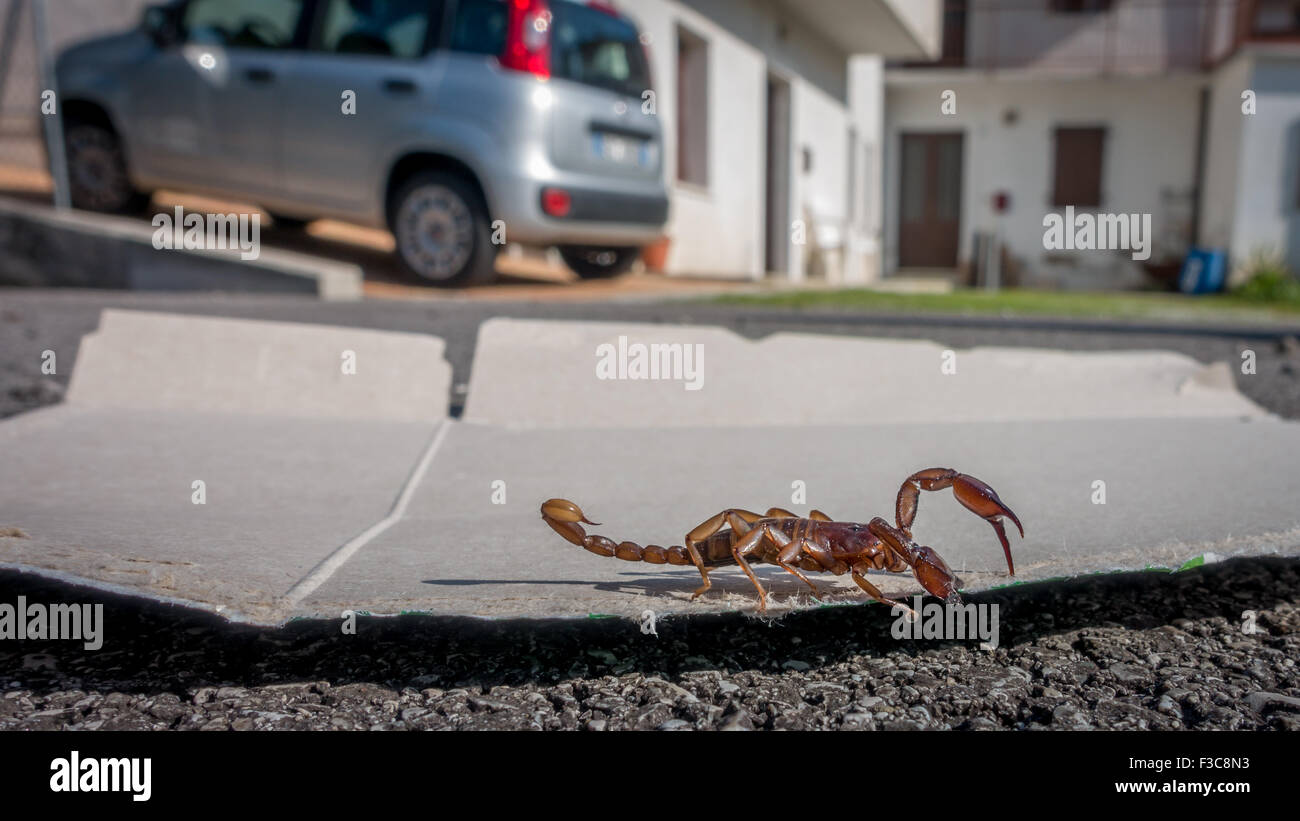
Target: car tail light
x,y
556,202
528,38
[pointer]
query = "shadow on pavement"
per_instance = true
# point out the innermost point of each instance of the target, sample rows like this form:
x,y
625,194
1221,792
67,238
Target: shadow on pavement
x,y
151,647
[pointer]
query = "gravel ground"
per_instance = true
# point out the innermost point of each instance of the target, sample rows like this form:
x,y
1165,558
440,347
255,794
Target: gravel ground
x,y
1141,651
1138,651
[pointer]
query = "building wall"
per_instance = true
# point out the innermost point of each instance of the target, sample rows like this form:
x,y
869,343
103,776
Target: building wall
x,y
866,205
715,230
68,22
1268,204
720,230
1148,165
1223,153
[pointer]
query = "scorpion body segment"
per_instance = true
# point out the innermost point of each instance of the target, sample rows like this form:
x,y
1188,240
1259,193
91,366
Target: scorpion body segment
x,y
813,544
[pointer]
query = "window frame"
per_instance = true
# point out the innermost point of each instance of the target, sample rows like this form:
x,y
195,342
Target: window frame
x,y
698,41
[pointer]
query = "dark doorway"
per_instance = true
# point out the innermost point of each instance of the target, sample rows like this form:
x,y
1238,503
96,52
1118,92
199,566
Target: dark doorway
x,y
929,208
776,256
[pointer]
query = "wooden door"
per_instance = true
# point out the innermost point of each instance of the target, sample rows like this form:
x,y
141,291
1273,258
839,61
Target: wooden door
x,y
929,208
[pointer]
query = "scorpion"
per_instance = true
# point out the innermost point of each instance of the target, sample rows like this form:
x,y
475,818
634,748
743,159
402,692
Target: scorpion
x,y
815,543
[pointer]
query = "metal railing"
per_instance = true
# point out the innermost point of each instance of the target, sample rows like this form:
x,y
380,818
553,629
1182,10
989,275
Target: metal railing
x,y
1107,36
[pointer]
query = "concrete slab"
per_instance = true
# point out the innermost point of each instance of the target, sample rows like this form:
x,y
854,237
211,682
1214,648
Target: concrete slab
x,y
1176,489
107,495
46,247
146,360
534,373
327,492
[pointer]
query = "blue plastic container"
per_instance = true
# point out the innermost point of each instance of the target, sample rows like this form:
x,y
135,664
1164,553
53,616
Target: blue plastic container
x,y
1204,271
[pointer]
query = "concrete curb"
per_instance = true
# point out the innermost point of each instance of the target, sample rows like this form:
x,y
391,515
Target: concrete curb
x,y
170,362
565,374
44,247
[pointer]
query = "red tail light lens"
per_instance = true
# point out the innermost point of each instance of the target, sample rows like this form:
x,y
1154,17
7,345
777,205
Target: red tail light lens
x,y
556,202
528,38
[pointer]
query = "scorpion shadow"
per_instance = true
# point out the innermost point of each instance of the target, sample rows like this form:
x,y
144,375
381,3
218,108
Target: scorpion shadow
x,y
651,583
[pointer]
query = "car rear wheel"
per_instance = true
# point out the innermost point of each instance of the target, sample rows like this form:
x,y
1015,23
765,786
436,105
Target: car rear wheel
x,y
443,233
289,223
591,262
97,174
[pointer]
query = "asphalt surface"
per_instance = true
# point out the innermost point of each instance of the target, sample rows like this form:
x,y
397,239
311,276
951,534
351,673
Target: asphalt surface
x,y
1138,651
1141,651
34,321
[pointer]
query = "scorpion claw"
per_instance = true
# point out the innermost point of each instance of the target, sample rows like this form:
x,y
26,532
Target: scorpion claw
x,y
983,501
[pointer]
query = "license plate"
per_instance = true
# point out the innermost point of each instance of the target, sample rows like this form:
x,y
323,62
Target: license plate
x,y
620,149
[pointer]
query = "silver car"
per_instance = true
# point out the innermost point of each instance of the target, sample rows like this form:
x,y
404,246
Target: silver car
x,y
457,124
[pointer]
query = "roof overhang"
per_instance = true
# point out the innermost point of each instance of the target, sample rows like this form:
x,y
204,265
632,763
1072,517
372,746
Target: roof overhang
x,y
905,29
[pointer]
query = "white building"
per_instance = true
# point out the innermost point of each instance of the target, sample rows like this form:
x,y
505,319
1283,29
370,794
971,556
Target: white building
x,y
1110,106
772,145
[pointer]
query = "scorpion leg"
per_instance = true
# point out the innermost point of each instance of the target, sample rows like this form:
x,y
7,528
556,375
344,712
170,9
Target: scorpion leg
x,y
874,592
779,513
790,551
738,519
743,547
818,516
974,495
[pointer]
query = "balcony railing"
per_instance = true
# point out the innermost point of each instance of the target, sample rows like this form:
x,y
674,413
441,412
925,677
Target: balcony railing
x,y
1107,36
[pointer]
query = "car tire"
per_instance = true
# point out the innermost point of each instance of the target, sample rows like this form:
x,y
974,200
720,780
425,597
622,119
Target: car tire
x,y
443,233
97,171
593,262
289,223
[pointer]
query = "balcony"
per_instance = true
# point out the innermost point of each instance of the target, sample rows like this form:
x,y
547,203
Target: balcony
x,y
1101,37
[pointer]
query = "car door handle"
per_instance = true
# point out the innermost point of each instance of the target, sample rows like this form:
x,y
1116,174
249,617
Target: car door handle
x,y
259,75
399,85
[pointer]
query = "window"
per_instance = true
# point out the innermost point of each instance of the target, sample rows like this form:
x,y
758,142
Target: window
x,y
954,33
1078,167
480,27
596,48
1079,6
692,108
1276,17
260,24
386,28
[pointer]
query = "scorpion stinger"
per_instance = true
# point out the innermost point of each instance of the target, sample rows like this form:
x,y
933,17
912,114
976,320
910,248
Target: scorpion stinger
x,y
974,495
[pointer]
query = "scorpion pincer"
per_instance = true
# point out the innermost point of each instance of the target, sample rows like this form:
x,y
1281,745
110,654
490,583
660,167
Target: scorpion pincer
x,y
815,544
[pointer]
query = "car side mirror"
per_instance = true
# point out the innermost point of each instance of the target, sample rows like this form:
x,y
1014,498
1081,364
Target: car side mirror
x,y
160,23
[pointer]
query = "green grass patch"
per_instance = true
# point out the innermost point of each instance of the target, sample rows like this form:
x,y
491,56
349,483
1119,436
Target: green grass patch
x,y
1196,561
1235,307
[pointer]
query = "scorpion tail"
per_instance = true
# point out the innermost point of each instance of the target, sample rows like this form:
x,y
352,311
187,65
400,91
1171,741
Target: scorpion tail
x,y
564,516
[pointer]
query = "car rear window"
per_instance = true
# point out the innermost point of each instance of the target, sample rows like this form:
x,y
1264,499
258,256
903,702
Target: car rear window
x,y
597,48
479,27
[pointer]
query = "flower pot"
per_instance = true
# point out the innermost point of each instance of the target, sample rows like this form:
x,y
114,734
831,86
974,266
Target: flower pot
x,y
655,255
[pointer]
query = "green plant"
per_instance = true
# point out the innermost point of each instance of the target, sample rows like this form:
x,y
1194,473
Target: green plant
x,y
1265,278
